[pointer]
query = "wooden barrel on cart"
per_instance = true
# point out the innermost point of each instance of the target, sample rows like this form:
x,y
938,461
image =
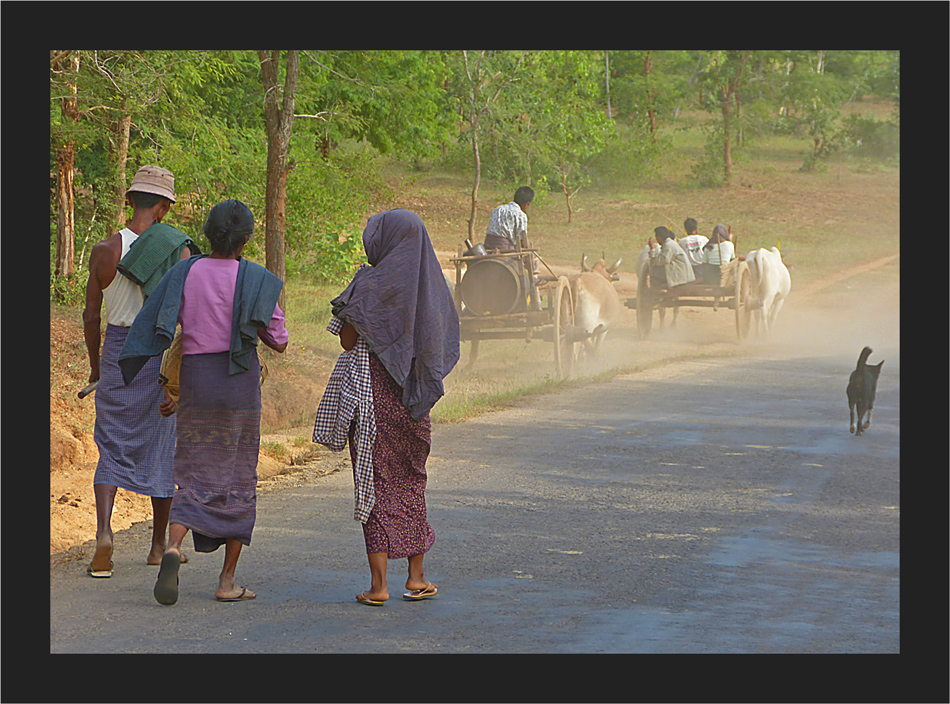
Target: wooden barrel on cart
x,y
493,287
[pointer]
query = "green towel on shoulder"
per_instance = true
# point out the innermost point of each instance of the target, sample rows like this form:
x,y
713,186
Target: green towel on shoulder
x,y
156,251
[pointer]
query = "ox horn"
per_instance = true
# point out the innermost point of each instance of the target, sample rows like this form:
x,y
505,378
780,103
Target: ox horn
x,y
584,266
612,269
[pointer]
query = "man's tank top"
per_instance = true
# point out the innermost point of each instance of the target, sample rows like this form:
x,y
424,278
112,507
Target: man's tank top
x,y
122,298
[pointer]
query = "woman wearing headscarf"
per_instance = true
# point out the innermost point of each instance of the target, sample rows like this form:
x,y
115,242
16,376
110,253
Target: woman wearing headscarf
x,y
717,252
399,330
224,304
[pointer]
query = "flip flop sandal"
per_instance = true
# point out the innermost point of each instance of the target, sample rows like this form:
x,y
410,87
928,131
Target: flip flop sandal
x,y
363,599
419,594
100,574
240,597
166,587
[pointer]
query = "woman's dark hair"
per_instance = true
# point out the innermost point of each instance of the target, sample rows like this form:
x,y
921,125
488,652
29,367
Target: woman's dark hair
x,y
229,225
524,195
662,234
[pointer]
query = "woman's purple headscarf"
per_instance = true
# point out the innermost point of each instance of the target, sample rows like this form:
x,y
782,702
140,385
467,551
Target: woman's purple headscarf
x,y
402,307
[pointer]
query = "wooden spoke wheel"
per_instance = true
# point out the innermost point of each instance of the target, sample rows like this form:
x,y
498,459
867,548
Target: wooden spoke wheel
x,y
645,303
563,314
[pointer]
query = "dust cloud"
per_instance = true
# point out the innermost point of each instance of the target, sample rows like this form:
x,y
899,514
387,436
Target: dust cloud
x,y
829,320
840,318
832,319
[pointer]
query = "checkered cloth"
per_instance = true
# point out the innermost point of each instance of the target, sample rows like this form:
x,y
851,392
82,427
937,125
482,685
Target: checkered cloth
x,y
348,402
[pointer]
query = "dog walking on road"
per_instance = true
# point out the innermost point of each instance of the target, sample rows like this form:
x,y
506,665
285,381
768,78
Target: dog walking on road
x,y
861,389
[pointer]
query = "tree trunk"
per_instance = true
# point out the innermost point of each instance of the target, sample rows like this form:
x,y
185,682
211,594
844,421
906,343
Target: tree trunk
x,y
282,195
65,164
121,157
279,121
472,116
478,179
728,93
275,259
65,222
740,132
565,172
651,95
727,136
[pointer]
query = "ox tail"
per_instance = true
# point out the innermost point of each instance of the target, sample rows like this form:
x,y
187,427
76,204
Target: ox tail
x,y
863,357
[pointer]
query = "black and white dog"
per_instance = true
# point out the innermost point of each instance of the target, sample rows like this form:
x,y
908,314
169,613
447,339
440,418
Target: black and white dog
x,y
861,389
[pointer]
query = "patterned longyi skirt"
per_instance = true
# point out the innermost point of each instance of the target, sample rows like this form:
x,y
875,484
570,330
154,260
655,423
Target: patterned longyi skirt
x,y
397,525
136,445
219,437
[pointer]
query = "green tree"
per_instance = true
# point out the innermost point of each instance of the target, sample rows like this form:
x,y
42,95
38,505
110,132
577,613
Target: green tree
x,y
723,75
555,139
649,86
478,81
64,70
207,128
812,95
514,127
392,100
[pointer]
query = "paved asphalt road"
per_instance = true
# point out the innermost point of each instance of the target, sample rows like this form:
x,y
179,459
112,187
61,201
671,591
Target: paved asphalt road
x,y
648,514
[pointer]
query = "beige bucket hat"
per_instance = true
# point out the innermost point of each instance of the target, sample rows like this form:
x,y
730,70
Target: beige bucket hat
x,y
155,180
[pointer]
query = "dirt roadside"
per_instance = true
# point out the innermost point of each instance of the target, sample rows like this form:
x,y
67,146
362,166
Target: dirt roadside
x,y
286,457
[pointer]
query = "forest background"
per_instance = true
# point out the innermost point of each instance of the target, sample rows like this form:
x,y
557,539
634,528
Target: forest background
x,y
305,137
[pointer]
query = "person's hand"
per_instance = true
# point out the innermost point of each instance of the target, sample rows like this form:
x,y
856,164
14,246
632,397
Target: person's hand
x,y
652,242
168,406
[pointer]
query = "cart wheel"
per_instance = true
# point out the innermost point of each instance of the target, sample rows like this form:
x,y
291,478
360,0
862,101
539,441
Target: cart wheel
x,y
644,303
743,301
563,315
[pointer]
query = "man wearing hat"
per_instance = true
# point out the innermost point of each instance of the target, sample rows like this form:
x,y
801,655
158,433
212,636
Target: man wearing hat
x,y
135,425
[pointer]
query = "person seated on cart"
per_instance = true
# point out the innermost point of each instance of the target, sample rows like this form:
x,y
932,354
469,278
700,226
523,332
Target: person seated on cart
x,y
508,224
693,244
669,265
717,253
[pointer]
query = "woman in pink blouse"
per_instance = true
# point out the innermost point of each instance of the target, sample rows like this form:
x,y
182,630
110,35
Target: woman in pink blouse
x,y
226,304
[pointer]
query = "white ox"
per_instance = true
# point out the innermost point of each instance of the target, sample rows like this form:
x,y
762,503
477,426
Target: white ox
x,y
771,283
596,302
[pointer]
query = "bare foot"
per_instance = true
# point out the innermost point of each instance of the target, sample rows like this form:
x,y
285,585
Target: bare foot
x,y
419,593
371,599
235,594
418,586
102,559
155,556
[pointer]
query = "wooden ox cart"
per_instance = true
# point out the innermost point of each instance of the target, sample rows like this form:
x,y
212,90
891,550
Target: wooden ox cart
x,y
499,296
734,292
